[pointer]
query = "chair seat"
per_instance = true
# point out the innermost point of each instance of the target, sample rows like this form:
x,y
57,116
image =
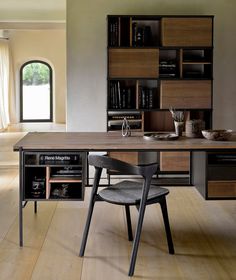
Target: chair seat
x,y
130,193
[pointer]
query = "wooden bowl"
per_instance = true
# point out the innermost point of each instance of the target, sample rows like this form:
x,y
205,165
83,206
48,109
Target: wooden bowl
x,y
217,134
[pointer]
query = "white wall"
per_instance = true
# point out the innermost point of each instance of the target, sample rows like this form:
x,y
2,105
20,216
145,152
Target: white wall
x,y
87,60
47,45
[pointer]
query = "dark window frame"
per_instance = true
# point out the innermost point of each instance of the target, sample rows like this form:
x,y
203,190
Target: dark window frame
x,y
51,92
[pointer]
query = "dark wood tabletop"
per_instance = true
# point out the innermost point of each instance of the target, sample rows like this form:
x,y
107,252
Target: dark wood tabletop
x,y
103,141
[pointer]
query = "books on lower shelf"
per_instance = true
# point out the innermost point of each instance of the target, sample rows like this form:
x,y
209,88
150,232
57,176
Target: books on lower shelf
x,y
116,125
115,120
121,97
167,69
66,172
146,98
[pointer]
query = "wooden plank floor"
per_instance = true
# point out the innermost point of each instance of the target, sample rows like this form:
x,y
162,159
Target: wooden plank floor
x,y
204,234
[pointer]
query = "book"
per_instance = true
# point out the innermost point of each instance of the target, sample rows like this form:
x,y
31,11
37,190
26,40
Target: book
x,y
134,34
59,159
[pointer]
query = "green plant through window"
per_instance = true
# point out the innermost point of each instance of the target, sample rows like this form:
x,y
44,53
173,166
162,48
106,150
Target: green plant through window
x,y
36,74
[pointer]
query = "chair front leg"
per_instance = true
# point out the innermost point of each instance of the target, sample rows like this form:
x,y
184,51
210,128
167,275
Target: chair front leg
x,y
167,225
90,210
142,209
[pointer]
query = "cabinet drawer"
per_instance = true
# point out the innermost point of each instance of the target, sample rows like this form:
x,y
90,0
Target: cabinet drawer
x,y
130,157
221,172
132,63
219,189
174,161
187,32
185,94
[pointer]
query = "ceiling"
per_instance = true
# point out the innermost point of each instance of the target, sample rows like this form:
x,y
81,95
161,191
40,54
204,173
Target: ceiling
x,y
32,10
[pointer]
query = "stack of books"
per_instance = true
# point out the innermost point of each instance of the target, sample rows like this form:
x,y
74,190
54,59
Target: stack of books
x,y
121,97
167,69
146,96
141,35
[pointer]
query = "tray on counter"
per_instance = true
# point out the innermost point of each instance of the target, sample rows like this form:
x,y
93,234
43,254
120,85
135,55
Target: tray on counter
x,y
160,136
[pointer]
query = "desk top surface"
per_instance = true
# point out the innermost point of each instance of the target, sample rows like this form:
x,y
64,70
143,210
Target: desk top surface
x,y
103,141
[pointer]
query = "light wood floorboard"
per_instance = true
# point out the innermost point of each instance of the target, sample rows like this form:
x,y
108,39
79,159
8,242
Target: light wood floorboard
x,y
58,257
18,263
8,199
204,234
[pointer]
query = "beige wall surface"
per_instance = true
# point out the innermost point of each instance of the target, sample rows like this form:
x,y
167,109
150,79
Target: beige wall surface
x,y
87,59
49,46
22,10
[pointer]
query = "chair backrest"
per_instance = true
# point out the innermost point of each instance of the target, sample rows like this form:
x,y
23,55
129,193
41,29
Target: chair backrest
x,y
121,166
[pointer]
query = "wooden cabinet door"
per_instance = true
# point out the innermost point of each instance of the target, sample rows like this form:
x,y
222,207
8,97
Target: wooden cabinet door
x,y
174,161
188,32
133,63
185,94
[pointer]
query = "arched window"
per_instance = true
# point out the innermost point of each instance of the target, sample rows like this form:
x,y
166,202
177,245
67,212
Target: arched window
x,y
36,102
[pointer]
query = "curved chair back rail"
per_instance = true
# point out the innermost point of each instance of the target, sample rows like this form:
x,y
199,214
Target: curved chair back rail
x,y
121,166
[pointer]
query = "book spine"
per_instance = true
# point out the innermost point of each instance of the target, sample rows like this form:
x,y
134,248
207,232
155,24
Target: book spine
x,y
150,93
134,34
119,95
124,103
143,98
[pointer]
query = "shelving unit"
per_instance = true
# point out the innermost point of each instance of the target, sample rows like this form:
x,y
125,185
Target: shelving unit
x,y
54,176
154,63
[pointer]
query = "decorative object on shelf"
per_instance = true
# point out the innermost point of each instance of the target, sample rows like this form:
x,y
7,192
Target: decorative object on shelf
x,y
60,191
217,134
126,132
193,128
38,187
160,136
178,117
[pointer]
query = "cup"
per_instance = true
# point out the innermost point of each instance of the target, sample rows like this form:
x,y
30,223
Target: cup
x,y
179,127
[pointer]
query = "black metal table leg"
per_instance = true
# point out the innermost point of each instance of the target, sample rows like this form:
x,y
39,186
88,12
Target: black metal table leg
x,y
21,199
35,207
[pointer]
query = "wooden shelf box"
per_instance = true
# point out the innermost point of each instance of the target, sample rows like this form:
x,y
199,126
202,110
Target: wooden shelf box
x,y
187,31
185,94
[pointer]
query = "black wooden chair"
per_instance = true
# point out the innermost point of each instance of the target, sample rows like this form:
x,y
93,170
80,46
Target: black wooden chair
x,y
128,193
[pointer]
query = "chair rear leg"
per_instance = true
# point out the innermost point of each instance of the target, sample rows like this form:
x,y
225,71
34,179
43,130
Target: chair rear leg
x,y
167,225
129,224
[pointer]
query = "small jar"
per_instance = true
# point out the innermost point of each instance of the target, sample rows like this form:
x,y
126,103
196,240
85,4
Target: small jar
x,y
193,128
